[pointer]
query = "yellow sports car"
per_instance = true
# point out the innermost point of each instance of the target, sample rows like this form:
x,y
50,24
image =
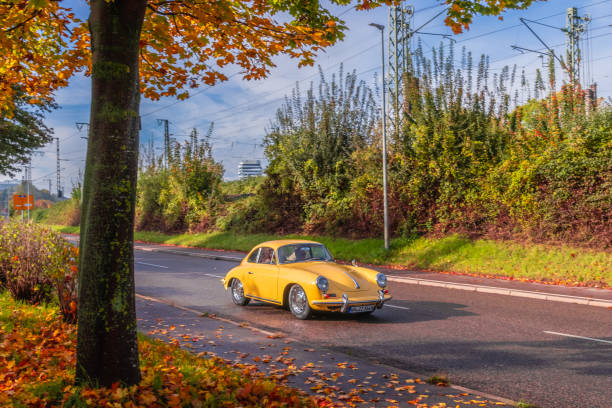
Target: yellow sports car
x,y
302,276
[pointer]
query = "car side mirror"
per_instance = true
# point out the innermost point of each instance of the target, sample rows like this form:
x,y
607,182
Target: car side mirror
x,y
354,262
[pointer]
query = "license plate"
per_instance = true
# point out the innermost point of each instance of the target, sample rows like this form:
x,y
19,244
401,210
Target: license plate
x,y
361,309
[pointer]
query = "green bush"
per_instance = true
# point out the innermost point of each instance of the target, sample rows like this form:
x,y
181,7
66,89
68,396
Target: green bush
x,y
470,159
36,264
183,195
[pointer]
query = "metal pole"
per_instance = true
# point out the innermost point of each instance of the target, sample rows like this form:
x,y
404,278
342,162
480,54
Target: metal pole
x,y
384,138
29,171
58,171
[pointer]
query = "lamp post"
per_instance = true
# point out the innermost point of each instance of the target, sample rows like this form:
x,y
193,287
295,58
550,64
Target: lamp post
x,y
381,28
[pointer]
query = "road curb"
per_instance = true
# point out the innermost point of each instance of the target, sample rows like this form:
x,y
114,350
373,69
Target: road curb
x,y
187,253
504,291
215,317
429,282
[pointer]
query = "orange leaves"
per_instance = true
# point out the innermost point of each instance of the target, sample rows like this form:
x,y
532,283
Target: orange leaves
x,y
181,43
186,43
41,50
38,354
460,12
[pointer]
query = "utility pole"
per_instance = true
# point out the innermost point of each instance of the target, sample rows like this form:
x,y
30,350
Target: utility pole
x,y
194,138
27,176
166,140
49,180
399,59
59,178
575,26
29,181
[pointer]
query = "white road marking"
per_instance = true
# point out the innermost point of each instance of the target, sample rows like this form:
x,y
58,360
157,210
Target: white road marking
x,y
140,248
213,276
578,337
149,264
397,307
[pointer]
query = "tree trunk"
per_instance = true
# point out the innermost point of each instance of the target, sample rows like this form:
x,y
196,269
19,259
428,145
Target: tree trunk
x,y
107,347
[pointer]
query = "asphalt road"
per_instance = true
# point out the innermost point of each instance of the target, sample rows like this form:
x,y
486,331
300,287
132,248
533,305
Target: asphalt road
x,y
517,348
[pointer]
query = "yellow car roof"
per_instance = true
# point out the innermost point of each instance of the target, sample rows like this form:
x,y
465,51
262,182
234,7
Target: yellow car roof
x,y
280,242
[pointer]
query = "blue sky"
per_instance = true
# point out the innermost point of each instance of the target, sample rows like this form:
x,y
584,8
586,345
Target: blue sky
x,y
241,110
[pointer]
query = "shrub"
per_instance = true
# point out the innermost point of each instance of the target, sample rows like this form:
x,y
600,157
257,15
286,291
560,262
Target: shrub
x,y
67,212
183,194
25,264
37,263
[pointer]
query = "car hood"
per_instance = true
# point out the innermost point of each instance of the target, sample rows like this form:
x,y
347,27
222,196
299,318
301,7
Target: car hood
x,y
341,278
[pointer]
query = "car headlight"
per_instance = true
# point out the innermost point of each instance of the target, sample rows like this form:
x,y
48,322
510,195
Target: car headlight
x,y
322,283
381,279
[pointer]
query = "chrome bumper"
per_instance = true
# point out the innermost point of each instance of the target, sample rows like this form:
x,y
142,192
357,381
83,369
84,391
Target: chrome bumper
x,y
345,303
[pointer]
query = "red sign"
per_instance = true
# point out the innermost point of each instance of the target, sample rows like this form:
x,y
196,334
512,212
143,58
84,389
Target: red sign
x,y
23,201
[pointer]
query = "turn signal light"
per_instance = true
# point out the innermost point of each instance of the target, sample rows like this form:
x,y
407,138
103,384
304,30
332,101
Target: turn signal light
x,y
326,296
386,291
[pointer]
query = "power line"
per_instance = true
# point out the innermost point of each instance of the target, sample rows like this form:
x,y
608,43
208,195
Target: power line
x,y
180,100
271,92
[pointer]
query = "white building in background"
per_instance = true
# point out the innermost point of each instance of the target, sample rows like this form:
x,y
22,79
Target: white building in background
x,y
249,168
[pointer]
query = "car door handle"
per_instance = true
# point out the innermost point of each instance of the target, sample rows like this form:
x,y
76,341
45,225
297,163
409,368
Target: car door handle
x,y
250,273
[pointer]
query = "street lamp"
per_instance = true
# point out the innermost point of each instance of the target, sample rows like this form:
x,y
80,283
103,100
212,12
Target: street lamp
x,y
381,28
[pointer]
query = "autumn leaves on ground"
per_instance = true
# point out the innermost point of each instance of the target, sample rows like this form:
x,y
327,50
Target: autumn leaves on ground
x,y
37,359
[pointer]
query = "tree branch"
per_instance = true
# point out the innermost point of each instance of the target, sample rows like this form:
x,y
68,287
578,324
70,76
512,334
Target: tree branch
x,y
21,24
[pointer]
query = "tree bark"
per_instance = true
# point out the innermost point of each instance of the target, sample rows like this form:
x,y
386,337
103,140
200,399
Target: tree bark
x,y
107,347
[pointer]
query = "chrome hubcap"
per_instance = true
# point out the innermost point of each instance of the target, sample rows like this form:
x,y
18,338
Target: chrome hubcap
x,y
297,300
237,290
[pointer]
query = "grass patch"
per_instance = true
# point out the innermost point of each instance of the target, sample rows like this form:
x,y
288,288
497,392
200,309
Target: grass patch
x,y
523,404
37,357
65,229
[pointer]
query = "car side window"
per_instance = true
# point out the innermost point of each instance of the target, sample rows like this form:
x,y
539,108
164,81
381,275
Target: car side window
x,y
253,257
266,256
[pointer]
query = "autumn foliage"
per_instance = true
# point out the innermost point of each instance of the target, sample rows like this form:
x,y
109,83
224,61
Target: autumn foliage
x,y
183,43
43,45
37,358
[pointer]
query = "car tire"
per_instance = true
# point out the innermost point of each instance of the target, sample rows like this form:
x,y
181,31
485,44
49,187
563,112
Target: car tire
x,y
298,303
237,292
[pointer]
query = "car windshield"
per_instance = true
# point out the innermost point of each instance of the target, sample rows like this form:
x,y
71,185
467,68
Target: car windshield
x,y
303,253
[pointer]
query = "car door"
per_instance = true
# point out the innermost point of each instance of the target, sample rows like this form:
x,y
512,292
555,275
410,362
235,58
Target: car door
x,y
263,276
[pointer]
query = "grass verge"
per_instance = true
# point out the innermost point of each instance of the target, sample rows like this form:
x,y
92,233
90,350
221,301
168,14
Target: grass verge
x,y
557,265
37,359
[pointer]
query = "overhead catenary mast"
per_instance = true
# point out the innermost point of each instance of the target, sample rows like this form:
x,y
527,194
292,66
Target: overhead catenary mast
x,y
575,26
166,123
399,58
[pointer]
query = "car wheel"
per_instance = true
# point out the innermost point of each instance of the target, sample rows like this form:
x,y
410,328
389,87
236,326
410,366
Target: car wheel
x,y
238,293
298,303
